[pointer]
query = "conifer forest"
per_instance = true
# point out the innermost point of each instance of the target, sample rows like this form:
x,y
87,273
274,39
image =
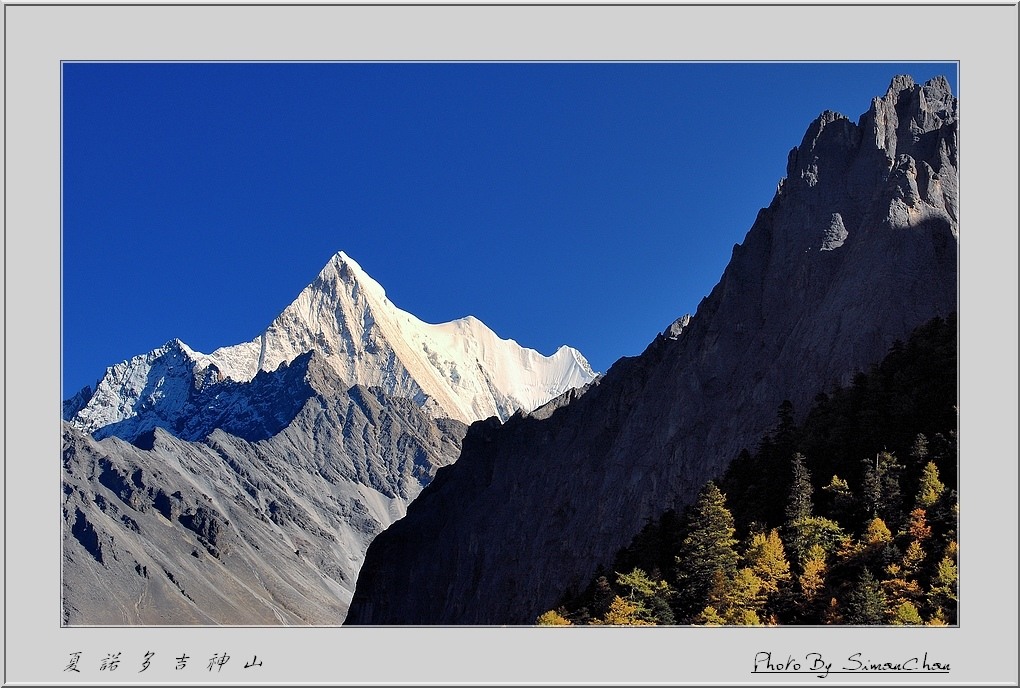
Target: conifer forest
x,y
847,517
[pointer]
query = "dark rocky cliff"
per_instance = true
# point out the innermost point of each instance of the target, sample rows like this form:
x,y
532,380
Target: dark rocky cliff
x,y
858,247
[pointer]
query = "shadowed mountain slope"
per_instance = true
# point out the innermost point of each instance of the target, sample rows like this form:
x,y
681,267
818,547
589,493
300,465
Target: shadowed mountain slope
x,y
857,248
231,531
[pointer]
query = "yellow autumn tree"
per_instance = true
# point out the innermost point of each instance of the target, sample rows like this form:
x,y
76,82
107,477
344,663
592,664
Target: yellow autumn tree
x,y
766,557
876,535
931,487
906,614
812,580
553,618
622,613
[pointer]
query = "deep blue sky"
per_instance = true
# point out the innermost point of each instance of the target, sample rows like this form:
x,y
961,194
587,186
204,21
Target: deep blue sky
x,y
587,204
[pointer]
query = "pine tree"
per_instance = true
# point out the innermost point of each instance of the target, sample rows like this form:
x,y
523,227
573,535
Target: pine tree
x,y
943,451
871,488
880,492
891,508
919,450
659,611
840,497
639,584
814,530
798,506
707,552
602,597
865,603
943,516
652,596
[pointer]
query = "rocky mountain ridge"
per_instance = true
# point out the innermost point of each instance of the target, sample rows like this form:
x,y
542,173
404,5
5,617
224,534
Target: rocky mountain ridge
x,y
460,369
856,249
227,530
243,487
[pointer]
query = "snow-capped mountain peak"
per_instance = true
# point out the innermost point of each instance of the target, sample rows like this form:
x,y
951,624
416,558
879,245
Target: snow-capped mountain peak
x,y
149,383
459,369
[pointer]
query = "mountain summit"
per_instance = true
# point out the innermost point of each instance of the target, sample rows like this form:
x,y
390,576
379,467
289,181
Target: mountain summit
x,y
857,248
460,369
253,478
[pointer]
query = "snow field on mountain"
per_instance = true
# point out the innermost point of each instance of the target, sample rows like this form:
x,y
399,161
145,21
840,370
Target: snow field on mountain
x,y
459,369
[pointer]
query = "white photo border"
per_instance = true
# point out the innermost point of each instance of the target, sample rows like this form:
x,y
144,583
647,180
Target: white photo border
x,y
981,39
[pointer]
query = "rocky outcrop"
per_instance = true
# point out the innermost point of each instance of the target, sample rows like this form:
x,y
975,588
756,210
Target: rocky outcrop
x,y
180,398
228,530
857,248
